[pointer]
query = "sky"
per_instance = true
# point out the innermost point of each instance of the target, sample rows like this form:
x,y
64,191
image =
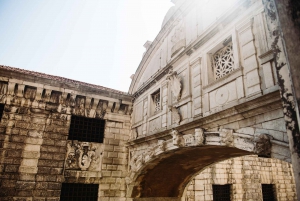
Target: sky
x,y
95,41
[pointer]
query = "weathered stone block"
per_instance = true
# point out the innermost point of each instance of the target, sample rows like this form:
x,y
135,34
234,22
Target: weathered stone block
x,y
25,185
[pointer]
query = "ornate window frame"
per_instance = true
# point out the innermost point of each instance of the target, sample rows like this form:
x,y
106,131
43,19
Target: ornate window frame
x,y
225,56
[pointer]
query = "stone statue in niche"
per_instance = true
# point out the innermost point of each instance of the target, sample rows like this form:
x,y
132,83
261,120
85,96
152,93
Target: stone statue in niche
x,y
175,84
83,156
175,115
226,136
263,145
199,136
175,137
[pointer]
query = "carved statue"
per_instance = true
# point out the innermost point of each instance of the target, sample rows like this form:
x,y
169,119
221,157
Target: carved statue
x,y
263,145
176,137
199,136
175,84
226,136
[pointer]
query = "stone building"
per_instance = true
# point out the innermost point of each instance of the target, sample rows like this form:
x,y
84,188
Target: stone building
x,y
211,113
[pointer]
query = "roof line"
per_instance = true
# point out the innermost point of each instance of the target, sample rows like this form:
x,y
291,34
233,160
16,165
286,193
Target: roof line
x,y
58,78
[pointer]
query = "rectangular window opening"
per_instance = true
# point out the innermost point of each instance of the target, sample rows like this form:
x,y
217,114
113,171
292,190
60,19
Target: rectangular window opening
x,y
221,192
1,111
79,192
268,192
86,129
156,102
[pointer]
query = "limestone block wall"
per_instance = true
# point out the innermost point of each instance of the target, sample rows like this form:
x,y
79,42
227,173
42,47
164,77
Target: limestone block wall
x,y
34,145
245,174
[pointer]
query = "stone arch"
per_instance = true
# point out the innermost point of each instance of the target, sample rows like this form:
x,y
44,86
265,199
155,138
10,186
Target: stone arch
x,y
162,168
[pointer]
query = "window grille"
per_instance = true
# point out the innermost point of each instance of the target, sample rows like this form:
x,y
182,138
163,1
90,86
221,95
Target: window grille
x,y
79,192
86,129
1,111
221,192
156,101
268,192
223,61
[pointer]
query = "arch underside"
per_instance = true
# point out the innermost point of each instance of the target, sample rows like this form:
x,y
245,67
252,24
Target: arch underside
x,y
168,175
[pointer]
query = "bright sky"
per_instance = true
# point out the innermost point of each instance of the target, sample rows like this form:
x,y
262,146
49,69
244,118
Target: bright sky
x,y
95,41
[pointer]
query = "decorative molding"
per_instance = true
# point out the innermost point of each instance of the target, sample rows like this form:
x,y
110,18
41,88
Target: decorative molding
x,y
225,79
267,57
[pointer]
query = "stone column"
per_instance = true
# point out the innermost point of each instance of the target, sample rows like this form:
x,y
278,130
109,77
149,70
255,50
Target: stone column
x,y
280,24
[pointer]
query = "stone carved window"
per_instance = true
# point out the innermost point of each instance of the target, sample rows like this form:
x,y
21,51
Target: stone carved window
x,y
268,192
223,61
82,192
1,111
156,102
86,129
221,192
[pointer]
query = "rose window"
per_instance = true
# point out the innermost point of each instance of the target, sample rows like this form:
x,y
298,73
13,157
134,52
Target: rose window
x,y
223,61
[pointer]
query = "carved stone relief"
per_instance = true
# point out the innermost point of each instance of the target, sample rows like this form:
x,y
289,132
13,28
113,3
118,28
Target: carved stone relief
x,y
176,138
199,136
84,156
263,145
175,84
194,139
226,136
139,158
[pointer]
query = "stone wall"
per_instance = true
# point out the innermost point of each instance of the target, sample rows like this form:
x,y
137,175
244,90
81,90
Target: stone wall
x,y
245,174
36,155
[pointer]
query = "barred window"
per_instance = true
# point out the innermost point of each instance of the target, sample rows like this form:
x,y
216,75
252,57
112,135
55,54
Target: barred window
x,y
223,62
86,129
1,111
79,192
156,101
221,192
268,192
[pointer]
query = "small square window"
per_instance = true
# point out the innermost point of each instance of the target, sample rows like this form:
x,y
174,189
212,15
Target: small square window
x,y
221,192
156,102
86,129
268,192
223,61
79,192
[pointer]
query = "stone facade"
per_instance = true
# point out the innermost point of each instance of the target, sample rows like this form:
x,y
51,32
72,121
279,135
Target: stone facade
x,y
36,155
245,175
212,86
